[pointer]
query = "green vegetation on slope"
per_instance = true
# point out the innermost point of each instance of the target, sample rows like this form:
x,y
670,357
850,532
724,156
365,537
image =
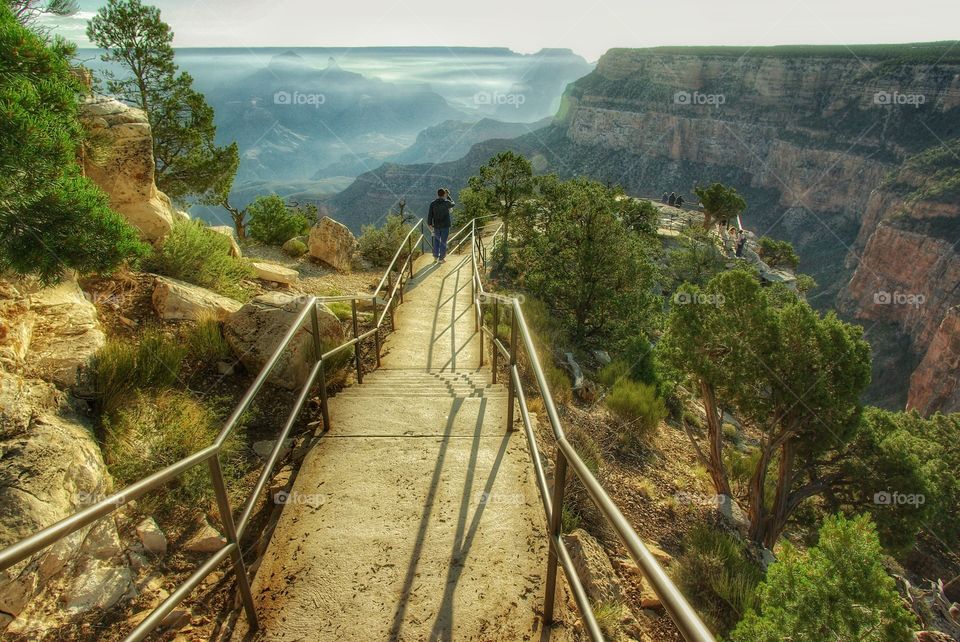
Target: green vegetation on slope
x,y
837,590
52,218
196,254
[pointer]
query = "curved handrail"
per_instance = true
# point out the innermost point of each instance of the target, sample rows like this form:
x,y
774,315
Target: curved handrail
x,y
36,542
685,618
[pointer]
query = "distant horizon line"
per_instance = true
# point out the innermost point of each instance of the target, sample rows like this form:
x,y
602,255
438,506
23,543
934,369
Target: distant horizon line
x,y
506,48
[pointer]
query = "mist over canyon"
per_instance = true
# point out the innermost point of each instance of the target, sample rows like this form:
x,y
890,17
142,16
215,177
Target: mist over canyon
x,y
308,120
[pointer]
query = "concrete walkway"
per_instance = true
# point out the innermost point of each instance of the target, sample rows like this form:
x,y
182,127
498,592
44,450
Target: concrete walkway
x,y
416,517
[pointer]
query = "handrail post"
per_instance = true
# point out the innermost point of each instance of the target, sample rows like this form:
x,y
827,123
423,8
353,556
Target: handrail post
x,y
318,350
511,386
390,306
410,254
556,523
401,284
376,329
356,346
324,406
230,531
476,311
481,348
494,351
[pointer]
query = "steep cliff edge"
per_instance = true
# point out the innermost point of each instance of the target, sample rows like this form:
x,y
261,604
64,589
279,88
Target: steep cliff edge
x,y
809,135
907,274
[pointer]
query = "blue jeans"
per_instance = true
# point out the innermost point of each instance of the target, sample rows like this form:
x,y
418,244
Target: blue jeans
x,y
440,235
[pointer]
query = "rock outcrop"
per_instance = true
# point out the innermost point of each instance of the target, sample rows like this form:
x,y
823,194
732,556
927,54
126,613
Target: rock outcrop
x,y
905,281
174,299
122,164
933,384
56,326
256,330
66,333
333,243
50,467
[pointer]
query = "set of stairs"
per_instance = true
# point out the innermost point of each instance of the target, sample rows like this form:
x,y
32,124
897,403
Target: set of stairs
x,y
424,521
419,383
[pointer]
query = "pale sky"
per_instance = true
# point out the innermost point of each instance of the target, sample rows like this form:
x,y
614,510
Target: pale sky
x,y
589,27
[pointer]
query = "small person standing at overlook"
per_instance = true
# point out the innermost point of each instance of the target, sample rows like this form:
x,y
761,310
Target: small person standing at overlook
x,y
438,220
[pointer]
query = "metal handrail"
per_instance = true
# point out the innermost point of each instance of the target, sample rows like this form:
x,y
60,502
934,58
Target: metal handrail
x,y
234,531
685,618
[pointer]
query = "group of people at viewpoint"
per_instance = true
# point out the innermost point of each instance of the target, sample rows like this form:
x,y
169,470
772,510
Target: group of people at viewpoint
x,y
673,199
739,235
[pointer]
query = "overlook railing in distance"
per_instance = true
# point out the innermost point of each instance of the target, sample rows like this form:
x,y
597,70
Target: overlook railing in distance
x,y
683,615
235,528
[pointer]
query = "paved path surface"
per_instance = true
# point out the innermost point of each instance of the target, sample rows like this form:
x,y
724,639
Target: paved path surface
x,y
416,517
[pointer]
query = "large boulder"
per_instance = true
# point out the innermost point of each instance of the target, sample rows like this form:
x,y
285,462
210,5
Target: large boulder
x,y
50,467
66,334
123,164
333,243
256,330
173,299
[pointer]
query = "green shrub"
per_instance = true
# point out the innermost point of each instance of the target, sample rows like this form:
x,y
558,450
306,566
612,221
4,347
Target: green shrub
x,y
206,341
156,430
195,254
158,360
837,590
613,372
295,248
379,244
121,367
272,222
110,374
730,432
638,405
342,309
778,253
716,574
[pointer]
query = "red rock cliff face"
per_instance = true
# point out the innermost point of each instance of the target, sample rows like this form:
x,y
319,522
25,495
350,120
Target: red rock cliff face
x,y
907,271
933,385
906,278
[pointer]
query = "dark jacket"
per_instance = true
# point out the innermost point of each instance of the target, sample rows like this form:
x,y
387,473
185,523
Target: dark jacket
x,y
439,215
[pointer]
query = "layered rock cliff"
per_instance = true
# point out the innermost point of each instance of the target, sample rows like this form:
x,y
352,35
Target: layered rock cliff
x,y
809,135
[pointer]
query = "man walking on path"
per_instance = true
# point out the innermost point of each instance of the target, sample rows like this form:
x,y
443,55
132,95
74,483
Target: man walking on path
x,y
438,220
